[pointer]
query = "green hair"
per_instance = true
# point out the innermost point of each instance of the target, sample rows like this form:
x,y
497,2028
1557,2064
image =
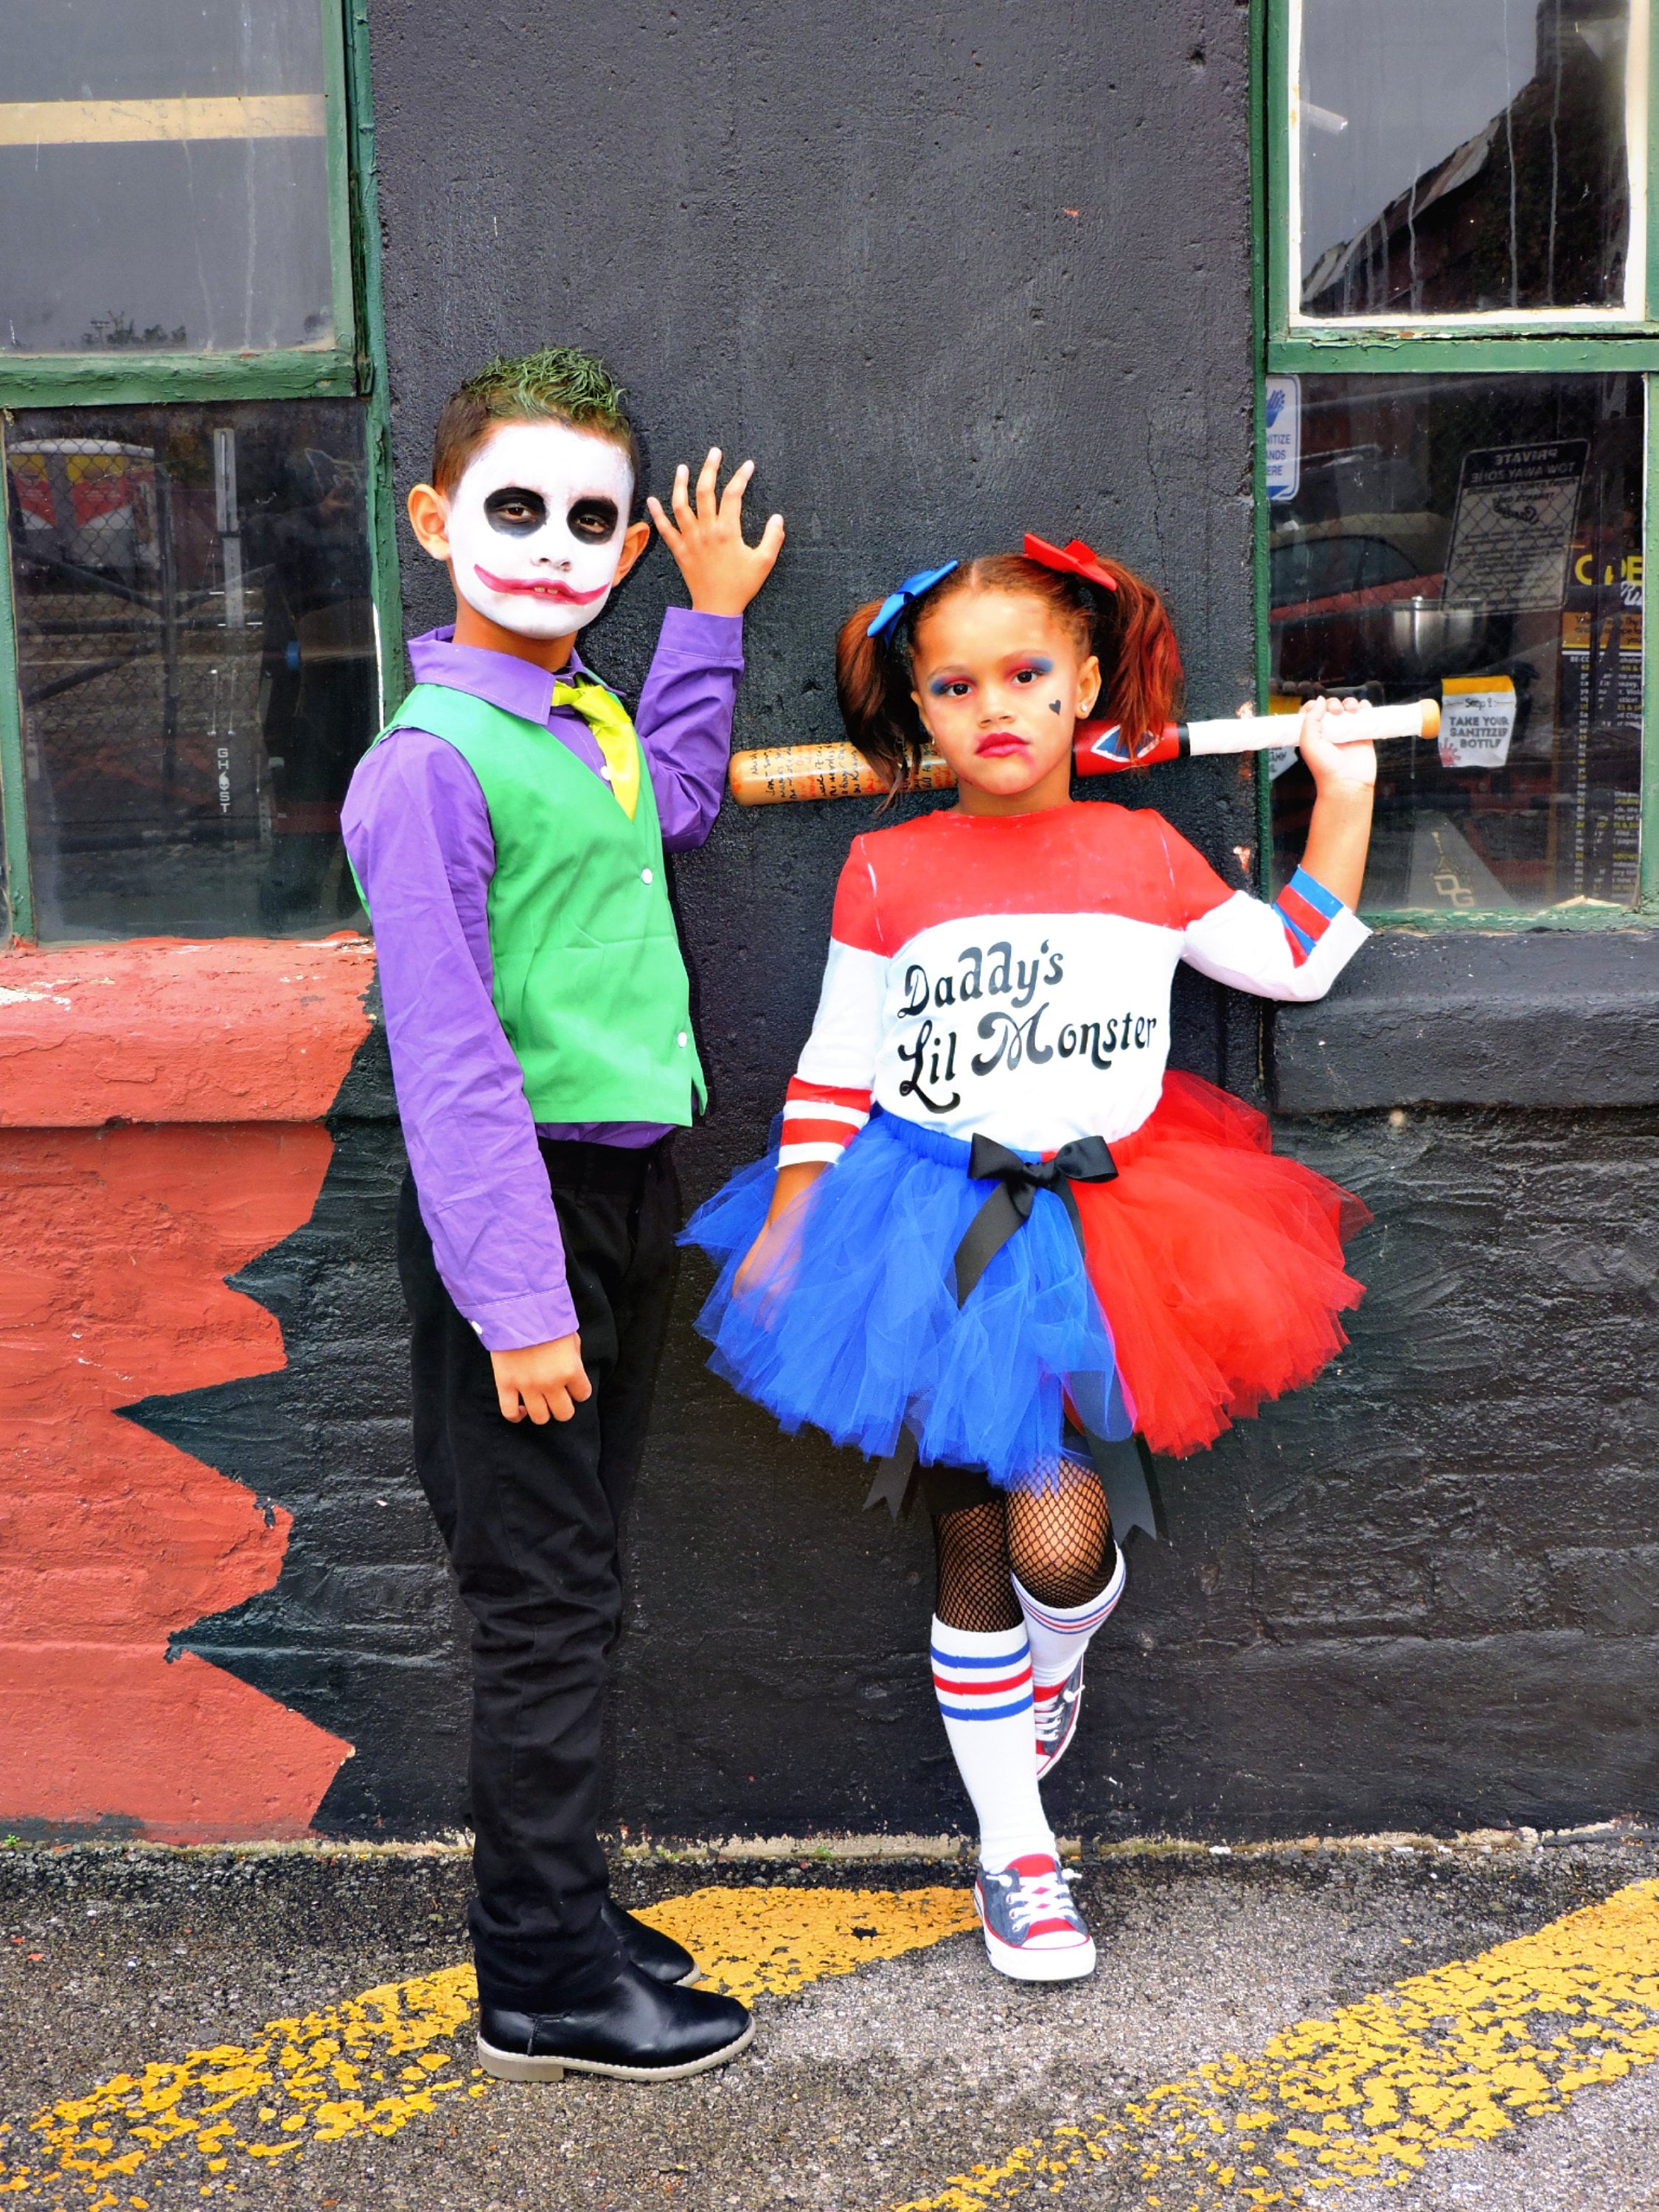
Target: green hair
x,y
559,384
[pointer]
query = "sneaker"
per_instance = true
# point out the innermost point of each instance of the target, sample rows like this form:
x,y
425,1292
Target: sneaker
x,y
1033,1931
1056,1709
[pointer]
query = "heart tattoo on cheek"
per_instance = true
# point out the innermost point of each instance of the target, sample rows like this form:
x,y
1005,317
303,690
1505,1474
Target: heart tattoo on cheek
x,y
1054,705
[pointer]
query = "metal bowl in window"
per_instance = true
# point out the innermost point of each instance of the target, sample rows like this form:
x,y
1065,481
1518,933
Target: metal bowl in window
x,y
1427,637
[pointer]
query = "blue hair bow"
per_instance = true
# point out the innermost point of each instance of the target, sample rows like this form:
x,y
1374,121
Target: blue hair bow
x,y
907,593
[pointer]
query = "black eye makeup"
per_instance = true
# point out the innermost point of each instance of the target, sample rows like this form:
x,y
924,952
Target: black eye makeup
x,y
515,512
594,520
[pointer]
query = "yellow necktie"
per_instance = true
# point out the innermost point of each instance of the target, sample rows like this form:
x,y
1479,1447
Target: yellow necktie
x,y
614,734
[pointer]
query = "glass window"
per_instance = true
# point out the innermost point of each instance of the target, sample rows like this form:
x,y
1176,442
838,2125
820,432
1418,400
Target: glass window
x,y
1476,540
164,171
1467,157
197,663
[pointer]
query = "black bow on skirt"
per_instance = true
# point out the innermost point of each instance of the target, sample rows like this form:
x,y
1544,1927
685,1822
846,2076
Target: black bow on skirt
x,y
1085,1159
1122,1468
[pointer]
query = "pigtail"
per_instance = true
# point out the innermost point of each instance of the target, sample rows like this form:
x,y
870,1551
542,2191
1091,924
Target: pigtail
x,y
873,688
1143,683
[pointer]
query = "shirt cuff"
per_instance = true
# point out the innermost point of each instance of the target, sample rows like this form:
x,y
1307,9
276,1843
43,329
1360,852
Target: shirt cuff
x,y
1344,938
514,1324
715,641
1344,934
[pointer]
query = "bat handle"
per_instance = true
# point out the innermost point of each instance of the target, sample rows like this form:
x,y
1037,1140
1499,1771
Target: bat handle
x,y
1249,734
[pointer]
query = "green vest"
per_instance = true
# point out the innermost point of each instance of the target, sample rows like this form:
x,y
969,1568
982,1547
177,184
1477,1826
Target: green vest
x,y
589,983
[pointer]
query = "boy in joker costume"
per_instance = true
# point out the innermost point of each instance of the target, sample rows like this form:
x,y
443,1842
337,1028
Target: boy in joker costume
x,y
507,830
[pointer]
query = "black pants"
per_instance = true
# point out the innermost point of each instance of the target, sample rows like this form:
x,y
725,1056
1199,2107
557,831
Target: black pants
x,y
532,1518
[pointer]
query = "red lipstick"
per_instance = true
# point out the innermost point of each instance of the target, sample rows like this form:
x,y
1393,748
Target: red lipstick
x,y
1000,745
561,593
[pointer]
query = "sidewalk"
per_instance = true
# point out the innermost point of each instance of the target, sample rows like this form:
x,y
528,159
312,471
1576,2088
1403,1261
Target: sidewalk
x,y
891,2063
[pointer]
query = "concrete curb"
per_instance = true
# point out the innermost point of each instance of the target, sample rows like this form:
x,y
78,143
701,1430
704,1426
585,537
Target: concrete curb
x,y
855,1849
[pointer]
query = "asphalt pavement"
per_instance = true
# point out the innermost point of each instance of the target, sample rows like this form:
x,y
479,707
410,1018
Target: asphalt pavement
x,y
1398,2023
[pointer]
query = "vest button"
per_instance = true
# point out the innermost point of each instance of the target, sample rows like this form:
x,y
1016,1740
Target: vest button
x,y
645,875
680,1040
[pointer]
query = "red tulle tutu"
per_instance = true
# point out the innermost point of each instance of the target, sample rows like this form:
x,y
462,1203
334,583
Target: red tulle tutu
x,y
1219,1265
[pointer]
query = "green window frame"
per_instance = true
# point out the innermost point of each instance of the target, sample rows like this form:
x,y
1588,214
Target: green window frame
x,y
353,366
1492,343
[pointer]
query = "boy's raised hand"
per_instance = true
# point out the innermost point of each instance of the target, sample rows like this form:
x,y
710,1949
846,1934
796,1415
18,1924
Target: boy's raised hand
x,y
722,574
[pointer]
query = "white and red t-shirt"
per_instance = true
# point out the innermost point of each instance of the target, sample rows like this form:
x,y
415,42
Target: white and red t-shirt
x,y
1011,973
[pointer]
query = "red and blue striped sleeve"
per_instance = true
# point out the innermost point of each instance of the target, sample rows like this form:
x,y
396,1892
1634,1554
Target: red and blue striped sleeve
x,y
1307,909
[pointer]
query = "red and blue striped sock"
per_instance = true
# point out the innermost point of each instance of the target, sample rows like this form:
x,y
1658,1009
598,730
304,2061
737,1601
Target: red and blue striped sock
x,y
1058,1635
983,1684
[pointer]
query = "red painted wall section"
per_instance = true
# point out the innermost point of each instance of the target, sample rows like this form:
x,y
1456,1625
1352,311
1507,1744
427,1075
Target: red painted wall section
x,y
239,1029
115,1241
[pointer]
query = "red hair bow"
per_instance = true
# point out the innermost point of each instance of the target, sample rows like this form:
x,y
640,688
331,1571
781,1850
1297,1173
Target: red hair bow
x,y
1075,559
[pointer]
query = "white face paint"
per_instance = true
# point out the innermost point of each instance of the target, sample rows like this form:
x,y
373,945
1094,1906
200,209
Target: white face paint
x,y
535,526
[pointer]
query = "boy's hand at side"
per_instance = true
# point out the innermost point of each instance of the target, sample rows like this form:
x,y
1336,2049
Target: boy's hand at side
x,y
722,573
543,1381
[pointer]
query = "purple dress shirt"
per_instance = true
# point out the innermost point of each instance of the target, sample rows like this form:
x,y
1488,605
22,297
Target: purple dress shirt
x,y
417,830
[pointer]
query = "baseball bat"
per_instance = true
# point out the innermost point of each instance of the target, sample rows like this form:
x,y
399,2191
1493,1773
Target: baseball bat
x,y
773,773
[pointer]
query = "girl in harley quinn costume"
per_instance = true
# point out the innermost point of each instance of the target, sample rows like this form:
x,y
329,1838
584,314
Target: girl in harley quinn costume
x,y
996,1227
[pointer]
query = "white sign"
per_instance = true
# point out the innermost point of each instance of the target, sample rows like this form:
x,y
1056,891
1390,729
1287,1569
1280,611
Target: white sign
x,y
1282,428
1512,527
1477,720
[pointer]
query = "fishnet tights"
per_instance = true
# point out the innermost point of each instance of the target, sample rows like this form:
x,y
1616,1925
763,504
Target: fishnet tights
x,y
1057,1541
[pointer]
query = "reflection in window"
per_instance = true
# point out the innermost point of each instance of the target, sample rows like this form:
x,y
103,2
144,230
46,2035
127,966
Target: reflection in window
x,y
196,662
1476,540
164,170
1460,156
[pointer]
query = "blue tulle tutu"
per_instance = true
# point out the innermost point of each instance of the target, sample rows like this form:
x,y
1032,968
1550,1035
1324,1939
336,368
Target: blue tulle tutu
x,y
854,1325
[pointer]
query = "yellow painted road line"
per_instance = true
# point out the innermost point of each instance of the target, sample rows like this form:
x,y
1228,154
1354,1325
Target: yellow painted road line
x,y
1439,2062
375,2062
768,1942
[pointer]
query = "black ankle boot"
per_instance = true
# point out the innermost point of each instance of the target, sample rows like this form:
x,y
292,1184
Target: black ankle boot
x,y
655,1954
634,2030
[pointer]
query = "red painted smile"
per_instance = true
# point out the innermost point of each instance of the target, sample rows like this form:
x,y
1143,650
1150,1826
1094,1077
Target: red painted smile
x,y
561,593
1000,745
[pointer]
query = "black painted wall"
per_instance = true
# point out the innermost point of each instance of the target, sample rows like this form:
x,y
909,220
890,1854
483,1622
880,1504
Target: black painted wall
x,y
951,274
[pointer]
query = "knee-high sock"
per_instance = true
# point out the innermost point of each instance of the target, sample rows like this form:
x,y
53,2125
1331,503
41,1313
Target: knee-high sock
x,y
983,1683
1058,1635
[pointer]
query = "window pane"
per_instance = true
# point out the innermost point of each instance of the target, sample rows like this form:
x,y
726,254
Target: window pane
x,y
1462,155
1476,540
164,173
197,662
